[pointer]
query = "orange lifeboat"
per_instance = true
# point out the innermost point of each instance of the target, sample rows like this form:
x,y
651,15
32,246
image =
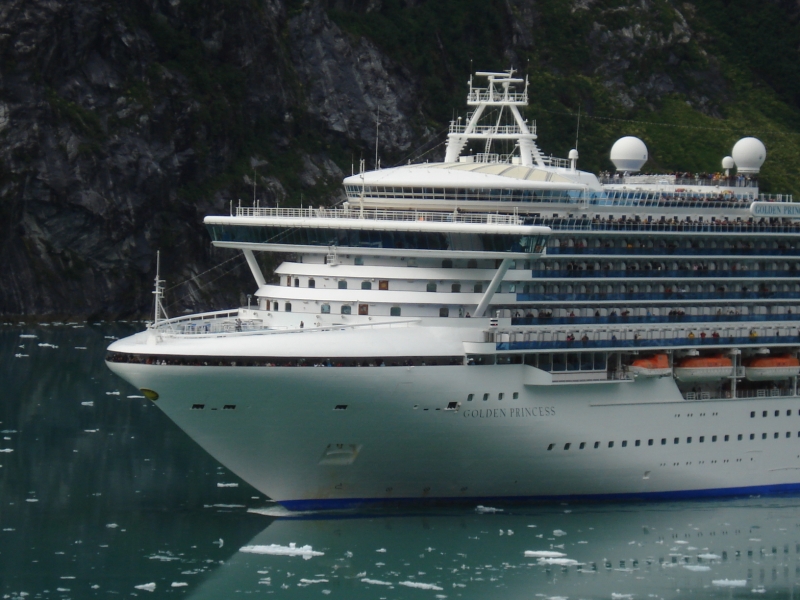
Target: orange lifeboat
x,y
651,366
765,368
704,368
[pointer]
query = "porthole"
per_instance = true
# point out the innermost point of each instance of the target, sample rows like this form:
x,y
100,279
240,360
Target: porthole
x,y
650,442
470,397
583,444
638,443
610,444
676,441
515,396
485,397
567,445
597,444
702,439
688,440
500,396
550,447
663,441
777,413
713,438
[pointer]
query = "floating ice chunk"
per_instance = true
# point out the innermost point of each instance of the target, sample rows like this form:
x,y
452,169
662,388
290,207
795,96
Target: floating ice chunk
x,y
162,557
28,336
6,449
583,542
421,586
179,584
21,356
730,582
487,509
112,525
31,500
46,345
559,532
709,556
91,430
381,550
62,589
306,582
147,587
276,550
228,505
697,568
564,562
510,532
80,348
759,590
681,542
114,393
543,554
220,542
227,485
89,403
754,540
135,396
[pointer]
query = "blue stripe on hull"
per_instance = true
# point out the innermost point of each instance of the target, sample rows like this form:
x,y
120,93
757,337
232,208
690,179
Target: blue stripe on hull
x,y
338,503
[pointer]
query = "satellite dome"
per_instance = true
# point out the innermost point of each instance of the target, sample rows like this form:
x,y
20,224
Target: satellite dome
x,y
728,163
749,154
573,154
629,154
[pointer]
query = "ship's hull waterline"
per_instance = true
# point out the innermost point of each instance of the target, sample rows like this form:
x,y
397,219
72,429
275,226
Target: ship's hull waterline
x,y
396,441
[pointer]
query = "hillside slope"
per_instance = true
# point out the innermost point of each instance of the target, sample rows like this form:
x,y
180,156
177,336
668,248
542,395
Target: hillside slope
x,y
123,123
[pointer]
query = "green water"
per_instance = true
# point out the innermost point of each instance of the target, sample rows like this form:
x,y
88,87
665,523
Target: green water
x,y
100,493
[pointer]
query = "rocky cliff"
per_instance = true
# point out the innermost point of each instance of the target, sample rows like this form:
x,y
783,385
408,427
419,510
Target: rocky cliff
x,y
123,123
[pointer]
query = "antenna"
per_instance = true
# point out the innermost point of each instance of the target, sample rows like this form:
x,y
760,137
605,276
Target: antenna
x,y
578,127
158,292
254,186
377,124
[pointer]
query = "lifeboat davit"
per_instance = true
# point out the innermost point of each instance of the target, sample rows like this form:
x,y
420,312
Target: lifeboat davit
x,y
704,368
765,368
651,366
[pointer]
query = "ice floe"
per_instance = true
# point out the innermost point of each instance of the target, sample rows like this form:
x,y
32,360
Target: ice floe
x,y
46,345
730,582
147,587
559,533
114,393
375,581
226,485
29,336
564,562
307,582
179,584
709,556
6,449
277,550
487,509
89,403
543,554
421,586
697,568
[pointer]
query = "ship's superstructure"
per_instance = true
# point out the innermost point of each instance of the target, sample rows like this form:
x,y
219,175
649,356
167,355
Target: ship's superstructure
x,y
500,324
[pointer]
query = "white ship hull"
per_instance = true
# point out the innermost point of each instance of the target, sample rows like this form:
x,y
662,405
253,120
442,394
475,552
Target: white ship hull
x,y
285,438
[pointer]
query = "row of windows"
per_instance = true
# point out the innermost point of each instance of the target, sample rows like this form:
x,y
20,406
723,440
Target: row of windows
x,y
676,440
363,309
384,285
777,413
500,396
364,238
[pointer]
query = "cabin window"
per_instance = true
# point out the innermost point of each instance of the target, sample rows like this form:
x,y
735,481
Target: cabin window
x,y
289,280
325,309
515,395
296,282
650,442
431,287
363,309
470,397
567,445
472,263
455,288
582,446
485,397
275,306
610,444
359,260
342,284
624,443
287,307
444,312
447,263
597,445
346,309
366,285
478,289
383,284
637,443
394,311
312,283
550,447
500,396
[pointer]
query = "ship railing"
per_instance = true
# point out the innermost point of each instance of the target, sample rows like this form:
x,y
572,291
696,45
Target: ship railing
x,y
663,273
230,323
716,227
678,296
583,251
710,320
643,344
486,130
377,214
489,95
554,161
668,179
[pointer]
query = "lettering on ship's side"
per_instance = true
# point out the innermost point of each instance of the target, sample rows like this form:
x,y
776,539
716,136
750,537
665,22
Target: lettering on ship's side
x,y
770,209
510,413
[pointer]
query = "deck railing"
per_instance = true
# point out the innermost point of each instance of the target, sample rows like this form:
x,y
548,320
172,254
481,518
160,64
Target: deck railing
x,y
379,215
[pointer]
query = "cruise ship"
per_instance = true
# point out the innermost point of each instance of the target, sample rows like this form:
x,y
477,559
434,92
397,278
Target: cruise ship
x,y
499,325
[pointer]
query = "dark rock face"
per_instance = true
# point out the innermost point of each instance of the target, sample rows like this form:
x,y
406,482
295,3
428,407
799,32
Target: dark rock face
x,y
120,121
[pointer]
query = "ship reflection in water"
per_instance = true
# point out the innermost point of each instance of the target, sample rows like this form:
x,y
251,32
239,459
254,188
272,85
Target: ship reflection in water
x,y
102,495
676,550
